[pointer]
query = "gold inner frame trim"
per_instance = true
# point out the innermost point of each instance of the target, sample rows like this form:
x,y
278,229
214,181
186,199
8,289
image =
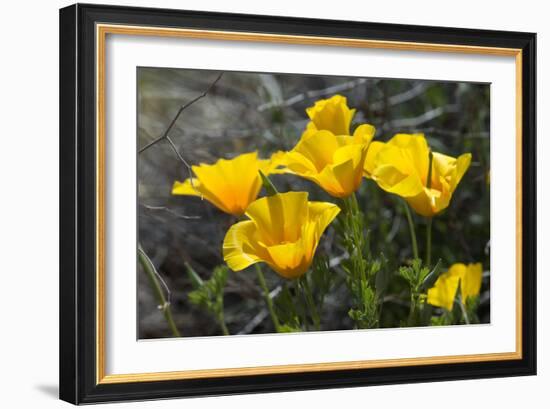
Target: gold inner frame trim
x,y
101,33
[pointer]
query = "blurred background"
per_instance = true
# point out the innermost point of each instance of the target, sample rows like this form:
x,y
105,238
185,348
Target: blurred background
x,y
244,112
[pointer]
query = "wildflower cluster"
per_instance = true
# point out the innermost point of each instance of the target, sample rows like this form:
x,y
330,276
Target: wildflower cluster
x,y
283,230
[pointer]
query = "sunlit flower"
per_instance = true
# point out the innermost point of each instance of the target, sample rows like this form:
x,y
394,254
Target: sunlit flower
x,y
334,162
401,165
468,277
283,231
332,114
229,184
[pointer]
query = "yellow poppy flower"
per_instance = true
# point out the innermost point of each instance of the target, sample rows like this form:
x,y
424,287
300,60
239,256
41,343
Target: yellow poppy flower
x,y
229,184
443,293
283,231
334,162
332,114
400,166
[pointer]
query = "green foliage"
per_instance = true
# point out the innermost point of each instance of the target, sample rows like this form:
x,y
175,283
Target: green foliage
x,y
471,307
366,315
365,278
209,294
415,274
322,279
444,319
287,311
419,278
432,277
299,305
374,286
383,277
289,328
462,313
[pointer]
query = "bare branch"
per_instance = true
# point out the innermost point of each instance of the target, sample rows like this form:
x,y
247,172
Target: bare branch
x,y
421,119
254,322
158,283
172,212
260,316
452,133
313,94
167,289
165,135
187,166
333,262
182,108
415,91
394,229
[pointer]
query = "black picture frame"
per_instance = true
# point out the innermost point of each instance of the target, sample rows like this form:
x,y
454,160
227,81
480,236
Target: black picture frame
x,y
78,360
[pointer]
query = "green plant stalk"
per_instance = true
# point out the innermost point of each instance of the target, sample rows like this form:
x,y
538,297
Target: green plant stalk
x,y
354,203
149,270
429,220
351,210
267,297
221,315
270,188
355,243
412,310
416,308
287,285
411,229
352,240
312,307
429,241
304,304
221,320
463,309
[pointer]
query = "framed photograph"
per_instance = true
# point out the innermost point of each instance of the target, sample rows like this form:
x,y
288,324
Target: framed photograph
x,y
258,203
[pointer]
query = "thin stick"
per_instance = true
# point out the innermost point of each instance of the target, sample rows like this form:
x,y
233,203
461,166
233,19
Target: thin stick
x,y
182,108
165,135
314,94
153,276
172,212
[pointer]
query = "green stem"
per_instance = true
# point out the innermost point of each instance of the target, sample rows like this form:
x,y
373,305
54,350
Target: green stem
x,y
464,312
304,304
412,310
150,270
221,315
429,242
223,327
267,297
354,203
411,229
356,243
313,308
429,222
292,305
429,177
270,188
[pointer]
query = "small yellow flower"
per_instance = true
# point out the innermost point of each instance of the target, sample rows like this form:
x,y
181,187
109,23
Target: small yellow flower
x,y
334,162
468,277
283,231
400,166
229,184
332,114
